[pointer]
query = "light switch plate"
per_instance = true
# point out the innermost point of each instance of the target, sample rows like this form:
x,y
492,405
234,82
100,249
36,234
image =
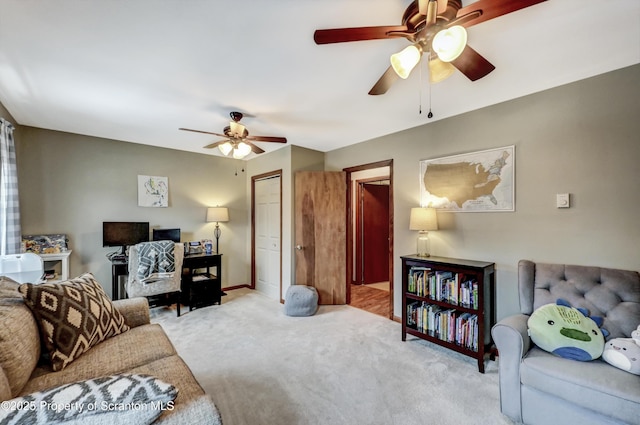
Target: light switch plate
x,y
562,200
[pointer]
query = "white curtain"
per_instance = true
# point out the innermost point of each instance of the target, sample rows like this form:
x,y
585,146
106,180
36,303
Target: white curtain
x,y
10,237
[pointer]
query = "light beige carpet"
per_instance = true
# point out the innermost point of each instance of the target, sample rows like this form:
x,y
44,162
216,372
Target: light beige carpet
x,y
341,366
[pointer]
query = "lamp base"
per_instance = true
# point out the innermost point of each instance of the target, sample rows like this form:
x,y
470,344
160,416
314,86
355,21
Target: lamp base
x,y
422,244
217,233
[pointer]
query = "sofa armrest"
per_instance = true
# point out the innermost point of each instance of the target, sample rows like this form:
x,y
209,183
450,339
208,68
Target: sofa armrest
x,y
513,342
134,310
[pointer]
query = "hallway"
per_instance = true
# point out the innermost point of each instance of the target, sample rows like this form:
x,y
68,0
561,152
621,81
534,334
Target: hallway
x,y
373,298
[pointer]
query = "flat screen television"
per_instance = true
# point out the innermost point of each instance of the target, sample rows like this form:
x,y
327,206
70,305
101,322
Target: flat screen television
x,y
166,235
124,233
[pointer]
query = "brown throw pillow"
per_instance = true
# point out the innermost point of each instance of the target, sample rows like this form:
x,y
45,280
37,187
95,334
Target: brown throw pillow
x,y
73,316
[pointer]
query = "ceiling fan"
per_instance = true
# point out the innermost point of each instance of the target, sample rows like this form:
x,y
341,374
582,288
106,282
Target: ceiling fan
x,y
435,28
238,142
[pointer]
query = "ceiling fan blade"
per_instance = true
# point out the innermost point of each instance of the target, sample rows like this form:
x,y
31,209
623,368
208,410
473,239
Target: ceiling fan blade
x,y
494,8
464,20
343,35
215,144
384,83
254,148
203,132
267,139
472,64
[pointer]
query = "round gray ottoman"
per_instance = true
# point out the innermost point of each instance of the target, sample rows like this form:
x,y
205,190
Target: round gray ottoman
x,y
301,300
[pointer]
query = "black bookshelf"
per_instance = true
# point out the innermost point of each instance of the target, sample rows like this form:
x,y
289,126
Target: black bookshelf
x,y
449,302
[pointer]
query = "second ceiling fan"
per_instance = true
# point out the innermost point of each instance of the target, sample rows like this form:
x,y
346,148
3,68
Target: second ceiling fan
x,y
435,28
238,143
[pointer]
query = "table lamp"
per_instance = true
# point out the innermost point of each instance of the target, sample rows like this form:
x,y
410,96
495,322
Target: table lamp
x,y
423,220
217,215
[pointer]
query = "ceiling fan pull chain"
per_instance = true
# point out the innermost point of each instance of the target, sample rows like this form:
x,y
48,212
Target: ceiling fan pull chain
x,y
430,114
420,90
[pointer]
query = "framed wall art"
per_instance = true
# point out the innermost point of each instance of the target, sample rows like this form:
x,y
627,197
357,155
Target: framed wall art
x,y
153,191
471,182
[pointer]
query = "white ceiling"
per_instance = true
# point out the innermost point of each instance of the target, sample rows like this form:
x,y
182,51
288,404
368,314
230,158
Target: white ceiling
x,y
136,70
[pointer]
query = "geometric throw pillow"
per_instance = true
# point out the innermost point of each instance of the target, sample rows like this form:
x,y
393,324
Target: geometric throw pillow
x,y
130,399
73,316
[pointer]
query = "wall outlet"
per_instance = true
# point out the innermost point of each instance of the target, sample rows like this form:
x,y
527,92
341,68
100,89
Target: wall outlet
x,y
562,200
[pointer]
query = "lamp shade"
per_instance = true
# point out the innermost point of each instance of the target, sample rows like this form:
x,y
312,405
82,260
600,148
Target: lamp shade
x,y
449,43
217,214
423,219
439,70
225,148
241,150
405,60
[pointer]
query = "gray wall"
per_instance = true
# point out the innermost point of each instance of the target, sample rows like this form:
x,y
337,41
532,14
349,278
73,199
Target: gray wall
x,y
582,139
71,183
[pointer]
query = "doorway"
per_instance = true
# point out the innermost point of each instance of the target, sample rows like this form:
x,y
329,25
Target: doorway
x,y
370,235
372,231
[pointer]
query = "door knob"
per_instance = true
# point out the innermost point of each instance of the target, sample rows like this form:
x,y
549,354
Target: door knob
x,y
299,247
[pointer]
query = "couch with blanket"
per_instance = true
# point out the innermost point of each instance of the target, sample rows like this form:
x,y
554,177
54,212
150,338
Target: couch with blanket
x,y
538,387
119,369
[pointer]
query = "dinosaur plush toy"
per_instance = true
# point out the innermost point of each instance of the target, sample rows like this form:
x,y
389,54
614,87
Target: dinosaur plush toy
x,y
567,331
624,353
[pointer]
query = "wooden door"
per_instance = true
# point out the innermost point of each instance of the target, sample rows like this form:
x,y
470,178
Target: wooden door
x,y
374,236
320,226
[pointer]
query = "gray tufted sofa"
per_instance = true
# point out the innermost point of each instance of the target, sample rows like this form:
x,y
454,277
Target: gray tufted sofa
x,y
537,387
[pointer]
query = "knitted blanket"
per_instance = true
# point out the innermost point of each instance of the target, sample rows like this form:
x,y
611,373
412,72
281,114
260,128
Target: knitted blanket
x,y
155,261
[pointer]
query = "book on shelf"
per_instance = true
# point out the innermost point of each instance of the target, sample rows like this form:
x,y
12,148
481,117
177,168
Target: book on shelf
x,y
448,325
416,281
452,288
469,294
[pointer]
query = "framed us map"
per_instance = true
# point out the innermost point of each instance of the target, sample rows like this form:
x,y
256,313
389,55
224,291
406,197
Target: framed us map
x,y
471,182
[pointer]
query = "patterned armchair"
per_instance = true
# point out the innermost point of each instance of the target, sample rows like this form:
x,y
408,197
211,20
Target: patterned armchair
x,y
155,270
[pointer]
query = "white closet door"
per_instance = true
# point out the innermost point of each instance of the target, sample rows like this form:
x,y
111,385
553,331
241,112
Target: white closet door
x,y
267,236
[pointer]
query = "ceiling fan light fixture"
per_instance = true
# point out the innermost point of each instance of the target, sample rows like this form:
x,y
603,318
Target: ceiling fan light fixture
x,y
449,43
439,70
241,150
405,60
225,148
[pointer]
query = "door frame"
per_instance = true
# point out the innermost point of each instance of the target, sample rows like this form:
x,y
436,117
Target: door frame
x,y
350,230
254,179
